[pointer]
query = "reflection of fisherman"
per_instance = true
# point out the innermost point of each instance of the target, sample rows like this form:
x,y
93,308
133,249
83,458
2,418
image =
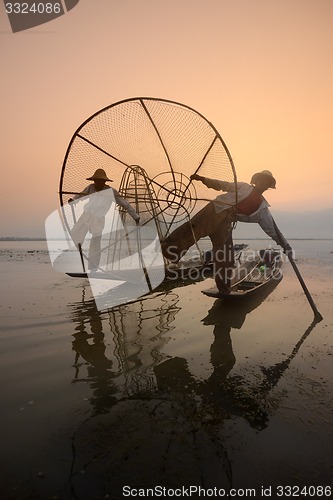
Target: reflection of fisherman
x,y
93,353
216,221
221,391
91,347
94,211
224,318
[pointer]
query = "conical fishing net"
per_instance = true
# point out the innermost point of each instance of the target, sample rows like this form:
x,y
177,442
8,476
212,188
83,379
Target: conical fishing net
x,y
149,148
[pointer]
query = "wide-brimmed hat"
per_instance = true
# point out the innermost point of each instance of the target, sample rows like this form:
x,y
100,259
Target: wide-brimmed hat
x,y
99,174
265,173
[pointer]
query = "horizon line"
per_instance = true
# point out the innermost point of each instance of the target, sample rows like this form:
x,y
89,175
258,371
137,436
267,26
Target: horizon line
x,y
41,238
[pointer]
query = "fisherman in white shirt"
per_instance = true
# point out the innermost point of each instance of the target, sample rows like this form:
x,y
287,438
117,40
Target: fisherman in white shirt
x,y
92,219
241,202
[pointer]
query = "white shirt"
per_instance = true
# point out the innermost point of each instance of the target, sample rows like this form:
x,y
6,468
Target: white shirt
x,y
99,204
262,216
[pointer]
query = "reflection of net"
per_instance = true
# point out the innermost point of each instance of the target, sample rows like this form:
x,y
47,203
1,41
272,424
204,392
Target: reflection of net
x,y
167,140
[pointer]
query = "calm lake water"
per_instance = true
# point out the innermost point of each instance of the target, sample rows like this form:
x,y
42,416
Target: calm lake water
x,y
174,389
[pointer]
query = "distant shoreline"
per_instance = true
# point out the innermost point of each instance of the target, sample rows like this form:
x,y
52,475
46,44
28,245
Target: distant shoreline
x,y
21,238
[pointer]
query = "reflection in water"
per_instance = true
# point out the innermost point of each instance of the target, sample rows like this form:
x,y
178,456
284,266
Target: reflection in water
x,y
164,424
132,363
89,345
232,393
221,395
122,365
274,373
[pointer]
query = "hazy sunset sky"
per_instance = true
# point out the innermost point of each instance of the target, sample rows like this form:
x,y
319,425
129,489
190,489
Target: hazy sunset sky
x,y
260,70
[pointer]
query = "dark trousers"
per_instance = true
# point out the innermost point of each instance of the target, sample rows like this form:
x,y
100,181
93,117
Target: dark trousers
x,y
218,226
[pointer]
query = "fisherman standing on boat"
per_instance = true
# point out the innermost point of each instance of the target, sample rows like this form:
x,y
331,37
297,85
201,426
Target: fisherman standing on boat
x,y
245,204
92,219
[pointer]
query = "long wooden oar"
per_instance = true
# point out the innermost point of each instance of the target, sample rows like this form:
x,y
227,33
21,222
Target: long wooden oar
x,y
318,316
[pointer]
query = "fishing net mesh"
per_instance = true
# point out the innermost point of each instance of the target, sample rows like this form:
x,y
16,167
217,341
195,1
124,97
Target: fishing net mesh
x,y
149,148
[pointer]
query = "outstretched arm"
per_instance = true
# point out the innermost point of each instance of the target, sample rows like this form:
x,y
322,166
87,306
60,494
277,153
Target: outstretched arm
x,y
196,177
266,222
214,183
127,206
77,196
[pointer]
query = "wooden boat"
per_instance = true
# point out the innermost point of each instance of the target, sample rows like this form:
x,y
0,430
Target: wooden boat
x,y
252,276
